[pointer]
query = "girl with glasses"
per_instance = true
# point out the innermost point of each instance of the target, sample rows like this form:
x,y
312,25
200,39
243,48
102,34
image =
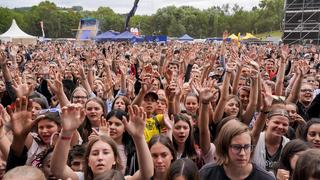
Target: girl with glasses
x,y
234,147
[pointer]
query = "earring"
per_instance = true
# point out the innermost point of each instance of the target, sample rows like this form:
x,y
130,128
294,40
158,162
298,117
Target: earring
x,y
114,165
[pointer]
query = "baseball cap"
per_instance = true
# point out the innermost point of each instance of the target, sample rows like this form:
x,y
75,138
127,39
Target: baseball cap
x,y
51,114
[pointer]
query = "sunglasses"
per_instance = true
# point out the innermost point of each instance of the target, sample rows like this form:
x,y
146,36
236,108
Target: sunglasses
x,y
52,110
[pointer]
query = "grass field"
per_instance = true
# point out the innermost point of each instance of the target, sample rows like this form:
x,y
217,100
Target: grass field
x,y
272,33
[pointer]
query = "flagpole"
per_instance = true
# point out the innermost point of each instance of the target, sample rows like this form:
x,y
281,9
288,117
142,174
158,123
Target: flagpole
x,y
42,29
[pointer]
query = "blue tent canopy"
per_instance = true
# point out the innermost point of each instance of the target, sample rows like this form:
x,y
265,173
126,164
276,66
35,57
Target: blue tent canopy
x,y
106,36
125,36
185,37
128,36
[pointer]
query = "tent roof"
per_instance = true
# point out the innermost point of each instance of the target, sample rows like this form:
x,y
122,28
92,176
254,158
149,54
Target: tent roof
x,y
106,35
15,32
233,36
186,37
249,36
126,36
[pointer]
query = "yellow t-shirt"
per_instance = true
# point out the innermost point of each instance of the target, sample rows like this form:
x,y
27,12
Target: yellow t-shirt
x,y
151,128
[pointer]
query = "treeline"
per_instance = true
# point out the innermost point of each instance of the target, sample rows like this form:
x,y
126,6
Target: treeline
x,y
171,20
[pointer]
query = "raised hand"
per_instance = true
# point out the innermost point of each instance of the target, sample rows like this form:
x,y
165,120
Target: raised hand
x,y
4,114
284,53
137,121
81,71
297,118
146,83
56,86
21,117
230,67
108,86
205,93
72,117
21,88
173,90
104,127
3,58
196,84
303,67
267,97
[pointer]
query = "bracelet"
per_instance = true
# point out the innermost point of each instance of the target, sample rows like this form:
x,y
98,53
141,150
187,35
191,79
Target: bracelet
x,y
65,138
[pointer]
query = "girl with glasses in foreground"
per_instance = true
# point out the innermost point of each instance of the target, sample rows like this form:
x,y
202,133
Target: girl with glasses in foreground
x,y
233,152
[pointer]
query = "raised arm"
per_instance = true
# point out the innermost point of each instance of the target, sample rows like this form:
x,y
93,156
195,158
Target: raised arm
x,y
218,113
294,93
135,127
235,83
22,123
72,117
91,74
281,71
84,79
146,86
4,141
173,92
261,120
205,97
3,63
253,98
21,88
123,82
56,87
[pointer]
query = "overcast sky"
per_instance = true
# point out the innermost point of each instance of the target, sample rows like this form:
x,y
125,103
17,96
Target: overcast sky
x,y
123,6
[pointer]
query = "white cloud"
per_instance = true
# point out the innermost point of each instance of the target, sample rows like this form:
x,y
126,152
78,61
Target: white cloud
x,y
124,6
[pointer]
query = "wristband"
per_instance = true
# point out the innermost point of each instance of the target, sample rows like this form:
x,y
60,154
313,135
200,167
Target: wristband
x,y
65,138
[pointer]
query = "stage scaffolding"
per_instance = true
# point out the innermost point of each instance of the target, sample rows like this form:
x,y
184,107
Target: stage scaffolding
x,y
301,22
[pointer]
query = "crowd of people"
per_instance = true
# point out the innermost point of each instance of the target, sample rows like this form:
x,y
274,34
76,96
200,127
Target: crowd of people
x,y
170,111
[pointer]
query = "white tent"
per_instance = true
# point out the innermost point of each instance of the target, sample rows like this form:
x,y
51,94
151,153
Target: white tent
x,y
16,35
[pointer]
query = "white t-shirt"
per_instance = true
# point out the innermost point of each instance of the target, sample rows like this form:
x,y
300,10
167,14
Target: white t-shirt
x,y
34,150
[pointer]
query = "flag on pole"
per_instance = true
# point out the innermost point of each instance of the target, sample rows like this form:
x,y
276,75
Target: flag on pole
x,y
42,29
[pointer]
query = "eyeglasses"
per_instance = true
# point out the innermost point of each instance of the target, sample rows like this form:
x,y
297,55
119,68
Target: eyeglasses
x,y
306,90
237,148
53,110
79,97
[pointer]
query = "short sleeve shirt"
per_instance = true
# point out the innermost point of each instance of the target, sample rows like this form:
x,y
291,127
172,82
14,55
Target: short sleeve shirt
x,y
212,171
151,128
